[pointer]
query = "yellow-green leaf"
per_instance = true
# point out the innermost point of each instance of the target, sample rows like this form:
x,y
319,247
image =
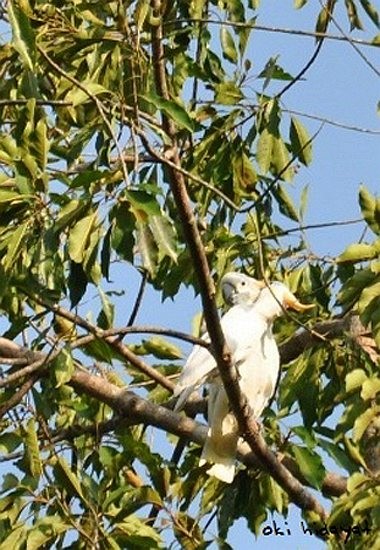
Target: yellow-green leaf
x,y
357,253
363,421
301,141
162,348
265,150
79,237
228,45
355,379
370,388
22,34
16,246
370,211
63,367
32,449
227,93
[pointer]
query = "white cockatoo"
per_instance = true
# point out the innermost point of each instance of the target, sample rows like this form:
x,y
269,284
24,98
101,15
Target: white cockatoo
x,y
247,327
237,288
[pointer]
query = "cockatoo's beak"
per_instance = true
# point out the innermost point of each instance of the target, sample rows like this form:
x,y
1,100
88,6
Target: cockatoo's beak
x,y
290,301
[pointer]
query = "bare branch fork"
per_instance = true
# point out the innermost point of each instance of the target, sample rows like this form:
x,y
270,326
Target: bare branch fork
x,y
247,425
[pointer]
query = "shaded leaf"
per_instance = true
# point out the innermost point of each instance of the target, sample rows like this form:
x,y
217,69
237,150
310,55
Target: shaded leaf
x,y
310,464
173,110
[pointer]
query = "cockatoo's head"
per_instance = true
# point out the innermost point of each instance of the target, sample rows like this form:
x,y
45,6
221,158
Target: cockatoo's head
x,y
238,288
277,297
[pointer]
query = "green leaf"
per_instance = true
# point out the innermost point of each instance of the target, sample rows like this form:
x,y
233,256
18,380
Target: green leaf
x,y
339,455
22,35
161,348
299,3
173,110
310,464
63,367
40,143
370,294
371,11
77,283
69,213
357,253
68,479
355,379
15,540
9,441
281,159
164,236
79,237
32,450
273,71
363,421
265,150
141,12
106,316
44,530
147,247
244,174
139,534
227,93
16,246
76,96
228,45
301,141
353,287
353,16
370,209
285,203
370,388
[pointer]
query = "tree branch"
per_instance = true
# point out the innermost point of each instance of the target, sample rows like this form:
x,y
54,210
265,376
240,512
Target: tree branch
x,y
135,410
248,427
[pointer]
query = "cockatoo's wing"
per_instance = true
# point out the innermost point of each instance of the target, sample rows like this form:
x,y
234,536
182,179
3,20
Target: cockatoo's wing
x,y
198,365
238,289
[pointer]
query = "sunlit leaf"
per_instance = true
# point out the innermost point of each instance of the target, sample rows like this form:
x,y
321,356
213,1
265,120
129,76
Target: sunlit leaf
x,y
301,141
264,151
63,367
228,45
23,35
80,236
228,93
357,253
32,449
370,209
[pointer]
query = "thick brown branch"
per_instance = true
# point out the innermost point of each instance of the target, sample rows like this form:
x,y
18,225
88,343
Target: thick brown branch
x,y
136,410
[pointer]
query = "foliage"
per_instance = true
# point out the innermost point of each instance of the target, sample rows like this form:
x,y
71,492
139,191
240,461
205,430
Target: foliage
x,y
85,190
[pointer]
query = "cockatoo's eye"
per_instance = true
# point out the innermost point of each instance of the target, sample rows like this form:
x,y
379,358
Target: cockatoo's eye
x,y
243,283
